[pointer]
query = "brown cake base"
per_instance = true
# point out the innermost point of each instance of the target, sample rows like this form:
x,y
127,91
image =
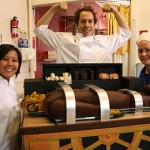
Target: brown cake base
x,y
87,102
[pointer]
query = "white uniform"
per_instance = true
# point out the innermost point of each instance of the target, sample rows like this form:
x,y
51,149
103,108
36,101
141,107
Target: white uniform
x,y
78,49
9,116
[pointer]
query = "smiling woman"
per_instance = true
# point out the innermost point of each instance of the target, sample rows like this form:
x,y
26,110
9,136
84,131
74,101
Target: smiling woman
x,y
10,62
143,44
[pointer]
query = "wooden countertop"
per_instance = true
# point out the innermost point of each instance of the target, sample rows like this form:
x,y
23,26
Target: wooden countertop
x,y
36,124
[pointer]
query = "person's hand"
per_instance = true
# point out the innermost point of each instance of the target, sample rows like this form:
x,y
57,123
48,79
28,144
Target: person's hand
x,y
109,8
63,6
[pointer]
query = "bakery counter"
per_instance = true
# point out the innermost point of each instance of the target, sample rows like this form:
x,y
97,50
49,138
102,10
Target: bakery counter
x,y
128,132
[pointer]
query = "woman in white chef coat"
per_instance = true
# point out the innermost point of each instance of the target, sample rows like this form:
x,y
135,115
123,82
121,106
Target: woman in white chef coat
x,y
143,44
10,63
85,46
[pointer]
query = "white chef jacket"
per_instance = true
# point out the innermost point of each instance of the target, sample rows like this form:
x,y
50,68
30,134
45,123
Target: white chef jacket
x,y
78,49
9,116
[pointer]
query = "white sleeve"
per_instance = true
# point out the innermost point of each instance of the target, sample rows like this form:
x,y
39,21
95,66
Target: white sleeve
x,y
49,37
115,41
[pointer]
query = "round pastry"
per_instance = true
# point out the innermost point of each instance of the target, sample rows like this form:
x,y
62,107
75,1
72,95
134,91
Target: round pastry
x,y
83,76
52,75
113,76
61,78
56,78
103,76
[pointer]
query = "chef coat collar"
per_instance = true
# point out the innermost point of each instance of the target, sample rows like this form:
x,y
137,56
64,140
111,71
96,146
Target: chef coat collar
x,y
5,82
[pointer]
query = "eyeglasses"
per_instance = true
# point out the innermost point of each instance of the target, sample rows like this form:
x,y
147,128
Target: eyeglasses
x,y
146,50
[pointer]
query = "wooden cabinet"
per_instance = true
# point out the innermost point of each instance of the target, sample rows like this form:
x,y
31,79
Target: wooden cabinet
x,y
129,132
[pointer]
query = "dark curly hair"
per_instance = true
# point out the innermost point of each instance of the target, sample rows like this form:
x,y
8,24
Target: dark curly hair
x,y
5,48
85,8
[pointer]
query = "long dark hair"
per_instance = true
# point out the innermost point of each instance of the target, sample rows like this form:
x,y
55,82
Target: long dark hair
x,y
5,48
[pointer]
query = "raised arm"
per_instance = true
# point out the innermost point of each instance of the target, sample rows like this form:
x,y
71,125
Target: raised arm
x,y
47,17
119,18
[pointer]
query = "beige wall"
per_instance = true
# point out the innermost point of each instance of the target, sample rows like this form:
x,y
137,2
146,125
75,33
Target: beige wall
x,y
142,14
8,9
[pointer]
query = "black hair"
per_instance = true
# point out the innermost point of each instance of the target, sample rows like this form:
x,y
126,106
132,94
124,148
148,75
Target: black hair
x,y
85,8
5,48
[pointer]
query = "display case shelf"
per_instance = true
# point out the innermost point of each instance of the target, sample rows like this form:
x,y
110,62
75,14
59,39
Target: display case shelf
x,y
98,68
44,86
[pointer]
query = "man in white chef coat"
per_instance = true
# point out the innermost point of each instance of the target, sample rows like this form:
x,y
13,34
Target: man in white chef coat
x,y
85,46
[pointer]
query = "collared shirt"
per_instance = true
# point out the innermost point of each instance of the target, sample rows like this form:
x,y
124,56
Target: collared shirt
x,y
9,116
78,49
145,76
